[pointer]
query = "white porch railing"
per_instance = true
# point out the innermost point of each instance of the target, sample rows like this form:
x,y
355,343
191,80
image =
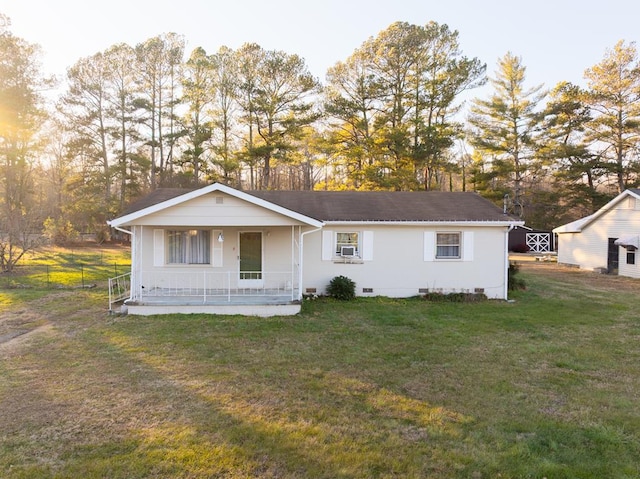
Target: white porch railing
x,y
119,288
210,286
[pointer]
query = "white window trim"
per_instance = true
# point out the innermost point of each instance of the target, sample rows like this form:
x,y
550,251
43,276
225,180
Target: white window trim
x,y
431,247
364,246
358,244
457,257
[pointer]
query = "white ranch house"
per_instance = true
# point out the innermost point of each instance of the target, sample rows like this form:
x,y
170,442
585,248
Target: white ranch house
x,y
224,251
606,241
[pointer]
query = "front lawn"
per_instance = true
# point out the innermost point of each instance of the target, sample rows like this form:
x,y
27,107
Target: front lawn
x,y
546,386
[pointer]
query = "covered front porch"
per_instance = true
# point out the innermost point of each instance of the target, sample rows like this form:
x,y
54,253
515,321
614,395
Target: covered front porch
x,y
266,294
215,250
250,271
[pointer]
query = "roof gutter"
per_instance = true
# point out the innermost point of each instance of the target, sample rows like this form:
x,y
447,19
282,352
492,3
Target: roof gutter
x,y
439,223
120,229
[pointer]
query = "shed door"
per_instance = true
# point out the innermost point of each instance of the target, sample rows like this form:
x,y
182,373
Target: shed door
x,y
613,257
250,260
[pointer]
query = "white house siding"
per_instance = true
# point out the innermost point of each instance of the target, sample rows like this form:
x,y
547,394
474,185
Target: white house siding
x,y
588,249
569,247
215,209
396,264
630,270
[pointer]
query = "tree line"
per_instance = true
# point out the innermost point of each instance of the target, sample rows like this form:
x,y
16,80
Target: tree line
x,y
391,116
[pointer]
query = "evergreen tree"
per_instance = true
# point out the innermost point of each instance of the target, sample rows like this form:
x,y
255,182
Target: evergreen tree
x,y
394,101
614,99
504,130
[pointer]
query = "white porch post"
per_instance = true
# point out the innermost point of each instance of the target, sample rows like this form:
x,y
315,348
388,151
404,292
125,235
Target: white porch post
x,y
293,261
300,265
301,253
136,258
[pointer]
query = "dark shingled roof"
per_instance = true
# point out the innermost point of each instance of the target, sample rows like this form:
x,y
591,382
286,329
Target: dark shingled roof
x,y
386,205
364,205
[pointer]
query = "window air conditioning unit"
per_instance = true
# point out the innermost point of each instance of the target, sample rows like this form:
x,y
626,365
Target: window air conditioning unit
x,y
347,251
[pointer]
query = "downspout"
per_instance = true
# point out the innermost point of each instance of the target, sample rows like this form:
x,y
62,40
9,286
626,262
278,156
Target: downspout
x,y
506,261
300,268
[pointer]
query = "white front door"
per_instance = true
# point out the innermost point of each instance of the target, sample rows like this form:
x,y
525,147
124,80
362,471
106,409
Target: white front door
x,y
250,255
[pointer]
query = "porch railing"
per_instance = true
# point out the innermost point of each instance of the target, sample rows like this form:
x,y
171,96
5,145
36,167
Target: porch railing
x,y
119,289
215,286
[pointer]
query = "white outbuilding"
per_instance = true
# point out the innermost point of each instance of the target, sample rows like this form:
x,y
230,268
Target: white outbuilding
x,y
606,241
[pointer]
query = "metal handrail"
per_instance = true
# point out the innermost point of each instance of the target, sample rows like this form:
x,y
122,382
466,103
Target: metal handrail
x,y
119,288
209,284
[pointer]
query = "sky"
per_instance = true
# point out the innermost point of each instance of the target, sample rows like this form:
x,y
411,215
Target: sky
x,y
556,39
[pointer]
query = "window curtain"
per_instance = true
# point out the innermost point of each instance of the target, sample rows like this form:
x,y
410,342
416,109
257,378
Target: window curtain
x,y
189,247
177,246
448,245
346,239
199,247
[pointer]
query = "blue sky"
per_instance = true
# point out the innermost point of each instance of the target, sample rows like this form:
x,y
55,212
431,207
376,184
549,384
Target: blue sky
x,y
557,40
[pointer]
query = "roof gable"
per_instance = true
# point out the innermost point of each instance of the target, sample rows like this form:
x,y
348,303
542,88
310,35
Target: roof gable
x,y
165,198
578,225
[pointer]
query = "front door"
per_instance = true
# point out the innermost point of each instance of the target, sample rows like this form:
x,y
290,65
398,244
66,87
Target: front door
x,y
613,258
250,260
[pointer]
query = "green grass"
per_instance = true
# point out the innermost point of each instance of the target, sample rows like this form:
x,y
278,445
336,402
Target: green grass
x,y
57,267
546,386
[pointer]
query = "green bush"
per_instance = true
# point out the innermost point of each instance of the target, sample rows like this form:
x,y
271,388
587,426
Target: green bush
x,y
342,288
515,282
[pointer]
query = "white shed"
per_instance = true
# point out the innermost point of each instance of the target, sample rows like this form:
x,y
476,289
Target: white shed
x,y
607,240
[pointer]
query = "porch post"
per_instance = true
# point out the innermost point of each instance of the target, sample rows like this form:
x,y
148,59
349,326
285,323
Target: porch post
x,y
136,261
293,261
301,235
300,248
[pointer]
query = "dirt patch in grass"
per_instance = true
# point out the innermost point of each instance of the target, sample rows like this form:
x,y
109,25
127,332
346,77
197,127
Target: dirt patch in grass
x,y
20,321
580,278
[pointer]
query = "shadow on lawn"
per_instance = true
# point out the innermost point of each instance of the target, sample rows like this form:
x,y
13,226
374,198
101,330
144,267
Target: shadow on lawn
x,y
267,432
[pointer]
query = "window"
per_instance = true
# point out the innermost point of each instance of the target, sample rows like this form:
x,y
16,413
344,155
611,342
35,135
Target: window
x,y
189,247
631,255
347,243
448,245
